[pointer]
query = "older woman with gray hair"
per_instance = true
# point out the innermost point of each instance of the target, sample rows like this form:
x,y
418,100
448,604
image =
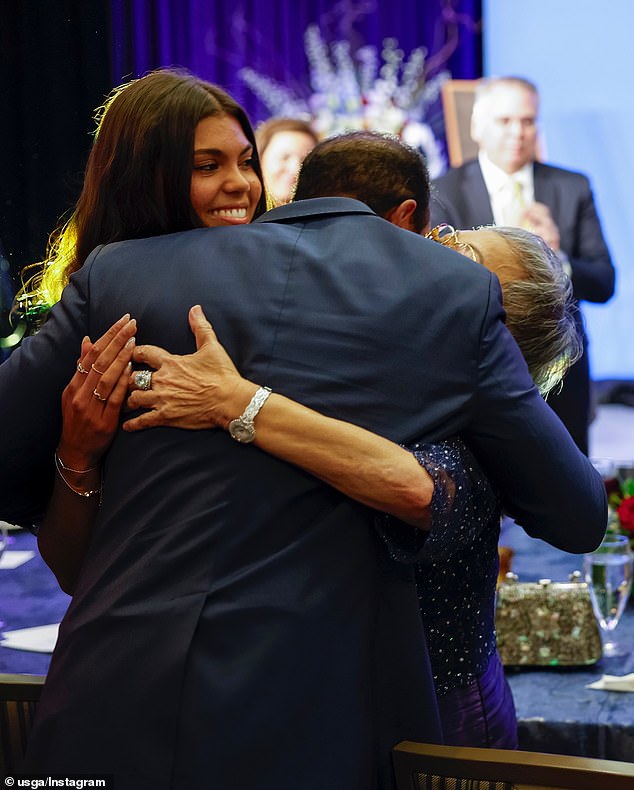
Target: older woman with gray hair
x,y
536,292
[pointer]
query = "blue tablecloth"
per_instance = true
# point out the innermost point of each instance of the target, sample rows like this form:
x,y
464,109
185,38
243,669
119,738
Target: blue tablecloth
x,y
29,596
557,713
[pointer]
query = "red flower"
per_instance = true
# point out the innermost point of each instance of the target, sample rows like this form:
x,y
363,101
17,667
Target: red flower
x,y
626,513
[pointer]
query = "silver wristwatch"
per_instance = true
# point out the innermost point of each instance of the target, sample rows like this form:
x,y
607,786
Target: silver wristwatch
x,y
242,428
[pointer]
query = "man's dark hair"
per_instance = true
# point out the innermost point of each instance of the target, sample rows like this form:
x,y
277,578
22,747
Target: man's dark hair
x,y
375,168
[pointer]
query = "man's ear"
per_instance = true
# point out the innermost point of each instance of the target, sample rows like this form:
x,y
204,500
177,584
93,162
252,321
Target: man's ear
x,y
402,215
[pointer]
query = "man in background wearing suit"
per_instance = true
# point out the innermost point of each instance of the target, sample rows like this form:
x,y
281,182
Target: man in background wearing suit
x,y
506,186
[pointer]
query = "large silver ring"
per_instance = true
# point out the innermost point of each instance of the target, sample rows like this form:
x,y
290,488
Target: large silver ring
x,y
98,396
143,379
81,368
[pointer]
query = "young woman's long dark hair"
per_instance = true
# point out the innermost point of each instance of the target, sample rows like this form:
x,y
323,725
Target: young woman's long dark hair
x,y
138,174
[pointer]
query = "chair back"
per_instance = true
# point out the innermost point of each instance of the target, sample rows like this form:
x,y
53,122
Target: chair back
x,y
422,766
18,697
457,102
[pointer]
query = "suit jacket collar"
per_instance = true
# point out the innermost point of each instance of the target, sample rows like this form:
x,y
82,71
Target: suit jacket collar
x,y
315,207
477,206
546,187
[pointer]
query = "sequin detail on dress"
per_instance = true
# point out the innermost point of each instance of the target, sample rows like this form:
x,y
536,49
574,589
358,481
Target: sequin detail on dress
x,y
456,563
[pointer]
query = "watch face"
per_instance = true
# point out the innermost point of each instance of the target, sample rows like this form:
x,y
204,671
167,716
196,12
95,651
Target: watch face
x,y
241,432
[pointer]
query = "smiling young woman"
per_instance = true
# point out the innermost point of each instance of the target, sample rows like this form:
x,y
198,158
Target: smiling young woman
x,y
139,180
225,188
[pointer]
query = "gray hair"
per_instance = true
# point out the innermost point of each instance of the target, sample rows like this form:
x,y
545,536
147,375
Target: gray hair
x,y
540,309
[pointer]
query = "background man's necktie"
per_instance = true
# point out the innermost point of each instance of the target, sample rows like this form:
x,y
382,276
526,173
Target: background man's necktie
x,y
515,204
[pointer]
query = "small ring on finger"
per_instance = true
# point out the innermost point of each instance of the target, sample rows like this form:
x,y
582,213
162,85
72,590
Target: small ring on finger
x,y
99,396
143,379
101,372
81,368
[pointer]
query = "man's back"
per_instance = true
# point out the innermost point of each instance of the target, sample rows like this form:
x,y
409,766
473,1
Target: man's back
x,y
242,606
326,303
276,619
284,298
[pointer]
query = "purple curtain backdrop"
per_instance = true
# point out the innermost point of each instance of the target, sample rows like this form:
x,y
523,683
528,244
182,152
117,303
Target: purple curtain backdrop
x,y
79,49
216,38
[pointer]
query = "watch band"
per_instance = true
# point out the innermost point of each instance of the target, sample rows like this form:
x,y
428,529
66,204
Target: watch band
x,y
242,428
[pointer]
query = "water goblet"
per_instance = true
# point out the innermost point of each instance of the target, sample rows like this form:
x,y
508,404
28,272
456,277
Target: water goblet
x,y
608,573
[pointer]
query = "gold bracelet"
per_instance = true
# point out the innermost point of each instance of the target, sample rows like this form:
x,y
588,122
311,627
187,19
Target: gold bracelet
x,y
59,461
92,492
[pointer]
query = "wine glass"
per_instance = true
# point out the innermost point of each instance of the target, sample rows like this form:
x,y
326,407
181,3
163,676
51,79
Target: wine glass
x,y
608,572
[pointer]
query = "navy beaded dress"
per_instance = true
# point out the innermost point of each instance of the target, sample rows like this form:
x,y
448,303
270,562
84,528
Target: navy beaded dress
x,y
456,573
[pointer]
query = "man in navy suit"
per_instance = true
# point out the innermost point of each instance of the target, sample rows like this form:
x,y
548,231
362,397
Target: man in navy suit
x,y
237,623
506,186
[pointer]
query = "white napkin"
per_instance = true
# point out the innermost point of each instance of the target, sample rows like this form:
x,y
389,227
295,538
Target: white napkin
x,y
614,683
10,527
40,639
13,559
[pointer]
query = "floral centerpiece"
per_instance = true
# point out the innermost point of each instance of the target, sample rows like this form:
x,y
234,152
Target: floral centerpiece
x,y
359,90
620,490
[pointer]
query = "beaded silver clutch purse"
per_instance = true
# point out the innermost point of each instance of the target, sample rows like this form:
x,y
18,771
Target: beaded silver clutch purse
x,y
546,623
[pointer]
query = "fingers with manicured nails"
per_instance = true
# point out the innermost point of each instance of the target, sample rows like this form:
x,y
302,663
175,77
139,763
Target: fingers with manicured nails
x,y
119,392
121,328
108,352
98,356
86,345
115,370
89,421
83,366
80,392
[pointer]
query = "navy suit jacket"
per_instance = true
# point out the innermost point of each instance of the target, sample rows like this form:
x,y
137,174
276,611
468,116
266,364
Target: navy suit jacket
x,y
460,198
236,622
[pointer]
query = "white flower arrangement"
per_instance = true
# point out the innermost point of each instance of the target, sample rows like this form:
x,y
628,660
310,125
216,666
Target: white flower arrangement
x,y
356,91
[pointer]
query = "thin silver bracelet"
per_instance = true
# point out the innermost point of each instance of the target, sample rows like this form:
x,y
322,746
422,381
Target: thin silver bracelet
x,y
59,461
60,466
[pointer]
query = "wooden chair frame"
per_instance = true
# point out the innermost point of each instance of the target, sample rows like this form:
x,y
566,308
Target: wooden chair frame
x,y
457,102
525,769
18,699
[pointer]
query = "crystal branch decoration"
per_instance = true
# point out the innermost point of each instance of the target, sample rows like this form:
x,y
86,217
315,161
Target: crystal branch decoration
x,y
360,91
